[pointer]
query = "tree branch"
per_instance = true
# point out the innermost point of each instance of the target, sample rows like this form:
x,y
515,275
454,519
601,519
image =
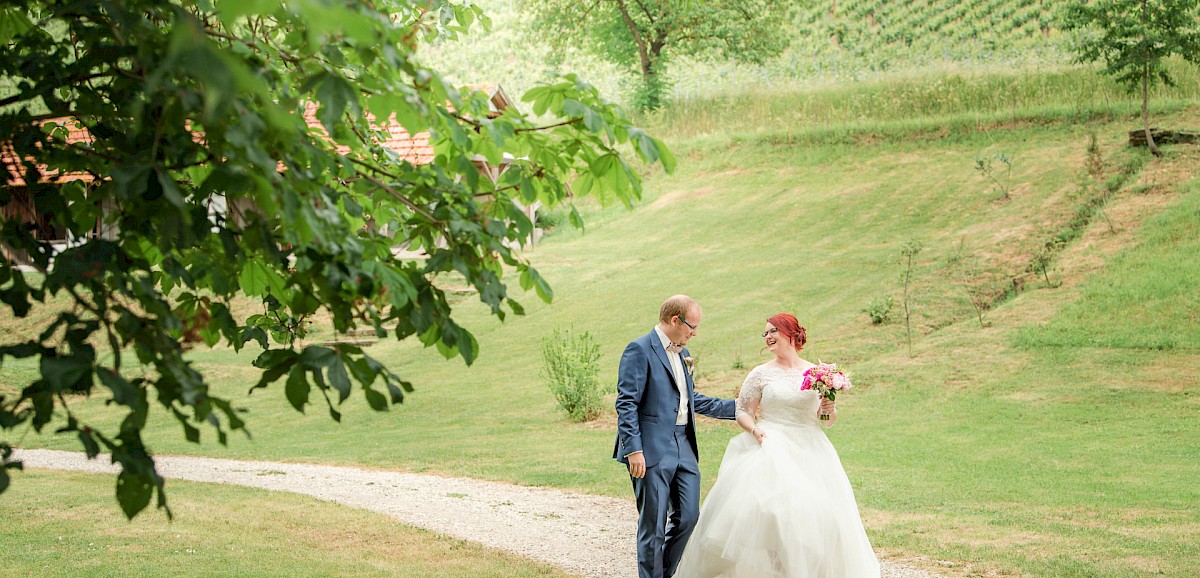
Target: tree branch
x,y
394,193
637,37
466,119
646,12
48,116
379,170
20,97
588,11
532,128
549,126
478,124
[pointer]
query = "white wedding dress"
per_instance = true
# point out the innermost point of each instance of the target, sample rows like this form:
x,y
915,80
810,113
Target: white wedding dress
x,y
783,509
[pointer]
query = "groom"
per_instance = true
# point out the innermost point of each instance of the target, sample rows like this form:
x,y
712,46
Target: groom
x,y
656,435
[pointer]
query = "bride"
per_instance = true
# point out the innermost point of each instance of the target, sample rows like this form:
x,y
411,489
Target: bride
x,y
782,506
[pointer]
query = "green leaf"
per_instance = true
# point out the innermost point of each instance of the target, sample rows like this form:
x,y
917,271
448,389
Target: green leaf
x,y
124,392
229,11
468,347
465,15
12,23
90,447
70,372
583,183
531,278
375,399
408,108
336,95
133,491
338,378
398,288
170,189
364,370
275,363
315,357
618,178
447,351
297,388
190,433
257,280
397,395
575,218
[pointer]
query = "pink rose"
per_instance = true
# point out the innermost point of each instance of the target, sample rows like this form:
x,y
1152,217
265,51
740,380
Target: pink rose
x,y
840,381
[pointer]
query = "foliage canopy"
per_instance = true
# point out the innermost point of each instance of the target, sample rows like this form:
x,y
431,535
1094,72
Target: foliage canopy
x,y
643,34
1134,38
194,105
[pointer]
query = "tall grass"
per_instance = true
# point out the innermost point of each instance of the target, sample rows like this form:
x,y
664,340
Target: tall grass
x,y
1078,92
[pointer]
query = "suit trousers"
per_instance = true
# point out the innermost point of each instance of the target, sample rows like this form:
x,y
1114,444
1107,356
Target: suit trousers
x,y
668,501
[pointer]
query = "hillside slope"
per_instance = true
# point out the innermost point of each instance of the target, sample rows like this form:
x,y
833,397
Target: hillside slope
x,y
1047,436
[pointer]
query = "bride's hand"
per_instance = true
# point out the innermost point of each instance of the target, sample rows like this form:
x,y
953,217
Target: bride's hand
x,y
827,407
758,434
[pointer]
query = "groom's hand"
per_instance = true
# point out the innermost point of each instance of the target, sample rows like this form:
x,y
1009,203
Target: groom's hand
x,y
637,465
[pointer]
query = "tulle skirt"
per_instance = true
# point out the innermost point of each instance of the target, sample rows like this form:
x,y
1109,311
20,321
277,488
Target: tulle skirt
x,y
781,510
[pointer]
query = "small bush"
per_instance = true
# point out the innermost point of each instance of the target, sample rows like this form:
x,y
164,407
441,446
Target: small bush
x,y
571,369
549,219
880,310
984,166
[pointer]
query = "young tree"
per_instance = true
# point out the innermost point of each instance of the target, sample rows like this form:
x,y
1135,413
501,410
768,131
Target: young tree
x,y
1134,38
644,33
187,102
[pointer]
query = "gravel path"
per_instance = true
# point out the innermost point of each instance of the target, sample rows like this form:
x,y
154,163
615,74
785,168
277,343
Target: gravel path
x,y
592,536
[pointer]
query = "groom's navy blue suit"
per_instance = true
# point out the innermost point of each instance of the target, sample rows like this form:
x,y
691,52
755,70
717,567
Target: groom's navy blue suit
x,y
647,408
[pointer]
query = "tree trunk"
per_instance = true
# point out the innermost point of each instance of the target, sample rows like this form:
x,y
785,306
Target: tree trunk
x,y
637,37
655,86
650,97
1146,93
1146,112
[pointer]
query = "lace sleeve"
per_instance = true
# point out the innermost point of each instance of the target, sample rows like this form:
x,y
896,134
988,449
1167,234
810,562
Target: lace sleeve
x,y
750,395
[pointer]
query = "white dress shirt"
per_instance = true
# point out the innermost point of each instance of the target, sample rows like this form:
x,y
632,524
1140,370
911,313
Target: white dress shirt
x,y
681,417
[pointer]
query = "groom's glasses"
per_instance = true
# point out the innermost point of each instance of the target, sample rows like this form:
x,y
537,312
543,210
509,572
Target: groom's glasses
x,y
690,326
771,331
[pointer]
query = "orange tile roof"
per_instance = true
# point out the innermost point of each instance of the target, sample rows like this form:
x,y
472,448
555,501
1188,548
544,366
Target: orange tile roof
x,y
76,134
415,149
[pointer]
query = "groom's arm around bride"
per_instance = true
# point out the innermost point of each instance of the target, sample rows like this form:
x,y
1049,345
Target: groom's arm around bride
x,y
656,435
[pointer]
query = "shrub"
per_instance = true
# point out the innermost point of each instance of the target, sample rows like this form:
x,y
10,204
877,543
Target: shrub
x,y
549,219
880,310
983,166
571,369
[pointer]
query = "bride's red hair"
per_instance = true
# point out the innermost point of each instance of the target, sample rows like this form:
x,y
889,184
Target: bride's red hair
x,y
790,328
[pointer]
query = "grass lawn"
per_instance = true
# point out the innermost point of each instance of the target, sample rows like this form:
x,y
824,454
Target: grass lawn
x,y
67,524
1053,439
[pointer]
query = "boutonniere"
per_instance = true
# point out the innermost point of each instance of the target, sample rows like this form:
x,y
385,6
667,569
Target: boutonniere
x,y
690,363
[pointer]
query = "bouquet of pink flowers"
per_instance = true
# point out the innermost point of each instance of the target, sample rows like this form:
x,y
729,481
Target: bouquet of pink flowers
x,y
826,379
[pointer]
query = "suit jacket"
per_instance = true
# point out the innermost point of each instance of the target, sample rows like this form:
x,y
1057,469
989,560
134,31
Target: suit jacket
x,y
648,401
